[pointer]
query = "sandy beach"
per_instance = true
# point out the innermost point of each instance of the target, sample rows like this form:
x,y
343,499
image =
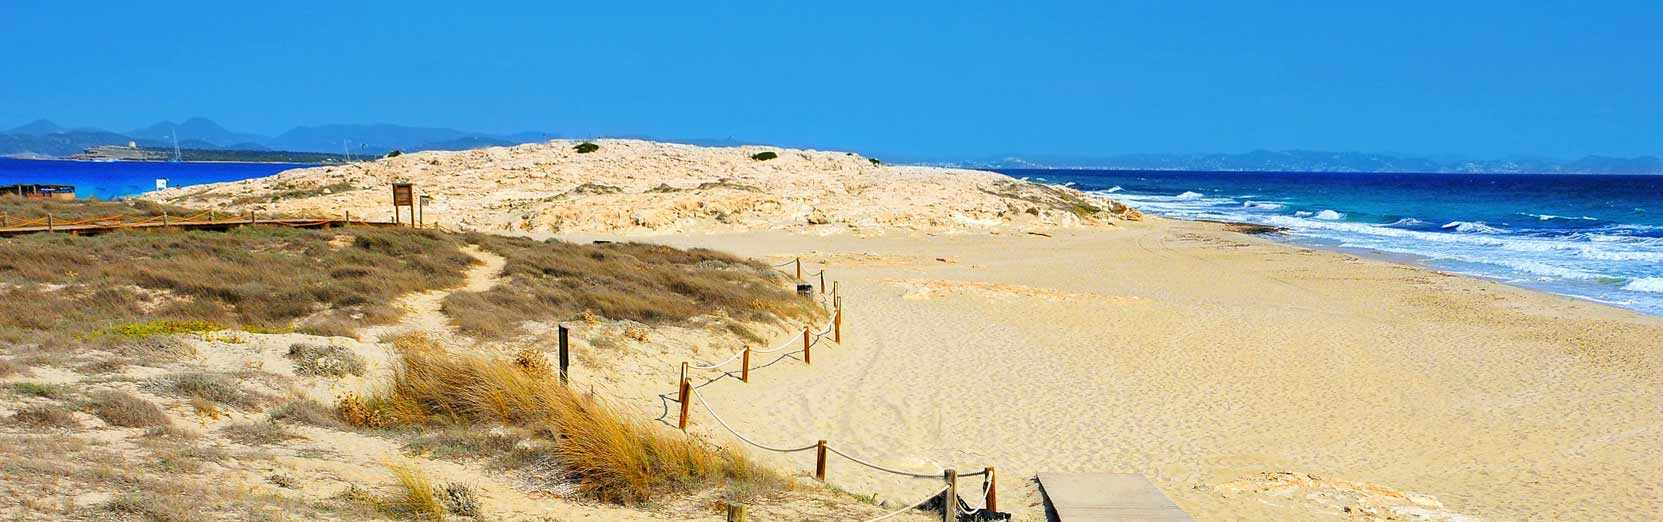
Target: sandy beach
x,y
1248,379
994,322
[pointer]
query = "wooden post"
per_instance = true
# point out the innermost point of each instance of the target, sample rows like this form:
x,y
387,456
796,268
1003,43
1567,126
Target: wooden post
x,y
3,223
349,217
686,396
808,357
992,490
820,461
745,366
565,358
799,269
164,218
822,281
48,221
736,513
837,324
212,216
950,503
250,217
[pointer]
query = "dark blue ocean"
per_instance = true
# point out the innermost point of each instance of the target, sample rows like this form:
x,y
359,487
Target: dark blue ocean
x,y
109,180
1593,237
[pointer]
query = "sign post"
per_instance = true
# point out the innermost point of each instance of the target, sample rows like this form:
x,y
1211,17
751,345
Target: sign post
x,y
404,196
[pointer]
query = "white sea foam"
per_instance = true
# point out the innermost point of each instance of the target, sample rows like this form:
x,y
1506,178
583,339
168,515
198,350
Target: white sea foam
x,y
1328,215
1645,284
1472,227
1113,189
1303,213
1187,195
1261,205
1405,222
1548,217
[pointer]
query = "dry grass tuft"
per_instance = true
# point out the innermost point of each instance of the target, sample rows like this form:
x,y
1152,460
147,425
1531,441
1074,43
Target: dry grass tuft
x,y
612,459
46,416
306,411
651,284
417,497
123,409
9,368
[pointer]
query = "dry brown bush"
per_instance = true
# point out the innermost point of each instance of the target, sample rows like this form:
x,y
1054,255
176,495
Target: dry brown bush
x,y
46,416
120,408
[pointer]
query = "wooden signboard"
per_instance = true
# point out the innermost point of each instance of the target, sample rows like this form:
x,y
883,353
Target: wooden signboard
x,y
404,196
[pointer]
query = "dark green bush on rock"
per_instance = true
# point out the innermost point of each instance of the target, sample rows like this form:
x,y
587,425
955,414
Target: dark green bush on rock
x,y
586,147
764,156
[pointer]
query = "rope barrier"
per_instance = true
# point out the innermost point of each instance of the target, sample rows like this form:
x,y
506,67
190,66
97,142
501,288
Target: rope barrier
x,y
741,436
892,514
857,460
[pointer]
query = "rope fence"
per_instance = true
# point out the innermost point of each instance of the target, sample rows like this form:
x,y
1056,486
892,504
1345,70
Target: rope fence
x,y
687,394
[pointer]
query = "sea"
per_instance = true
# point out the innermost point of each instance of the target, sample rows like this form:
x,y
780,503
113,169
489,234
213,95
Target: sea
x,y
1594,237
115,179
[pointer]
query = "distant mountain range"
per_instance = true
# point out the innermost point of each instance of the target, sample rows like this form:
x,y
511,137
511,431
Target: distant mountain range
x,y
1319,161
42,138
45,138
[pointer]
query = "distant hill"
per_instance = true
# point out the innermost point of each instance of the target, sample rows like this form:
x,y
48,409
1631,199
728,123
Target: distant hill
x,y
36,128
195,130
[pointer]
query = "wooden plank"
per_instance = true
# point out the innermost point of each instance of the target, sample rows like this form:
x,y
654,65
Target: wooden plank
x,y
1097,497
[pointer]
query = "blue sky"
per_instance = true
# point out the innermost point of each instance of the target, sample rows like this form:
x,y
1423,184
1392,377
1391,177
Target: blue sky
x,y
1484,79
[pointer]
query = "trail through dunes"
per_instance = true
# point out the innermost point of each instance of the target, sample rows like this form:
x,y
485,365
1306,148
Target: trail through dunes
x,y
423,310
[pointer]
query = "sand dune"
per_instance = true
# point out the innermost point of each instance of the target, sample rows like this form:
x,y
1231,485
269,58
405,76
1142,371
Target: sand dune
x,y
639,186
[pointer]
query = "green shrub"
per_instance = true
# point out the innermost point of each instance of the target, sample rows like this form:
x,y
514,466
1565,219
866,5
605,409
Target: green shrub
x,y
586,147
764,156
395,153
874,161
49,391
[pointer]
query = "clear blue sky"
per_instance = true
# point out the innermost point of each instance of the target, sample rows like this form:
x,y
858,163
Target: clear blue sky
x,y
947,78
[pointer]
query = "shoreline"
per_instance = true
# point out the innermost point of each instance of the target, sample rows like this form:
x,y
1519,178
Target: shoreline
x,y
1246,377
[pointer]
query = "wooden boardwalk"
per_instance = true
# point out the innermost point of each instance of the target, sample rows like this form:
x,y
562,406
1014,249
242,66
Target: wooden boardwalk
x,y
1081,497
111,225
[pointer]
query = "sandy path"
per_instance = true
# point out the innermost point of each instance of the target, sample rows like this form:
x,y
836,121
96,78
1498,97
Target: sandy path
x,y
423,310
1212,362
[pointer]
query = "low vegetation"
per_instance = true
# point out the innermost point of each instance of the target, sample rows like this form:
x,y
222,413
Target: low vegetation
x,y
120,288
15,209
764,155
610,457
557,281
586,147
325,361
124,409
46,416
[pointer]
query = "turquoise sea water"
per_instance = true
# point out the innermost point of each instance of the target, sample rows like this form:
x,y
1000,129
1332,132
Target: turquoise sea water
x,y
110,180
1588,236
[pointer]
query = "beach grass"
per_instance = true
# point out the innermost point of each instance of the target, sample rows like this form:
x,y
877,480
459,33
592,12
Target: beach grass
x,y
653,284
611,457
